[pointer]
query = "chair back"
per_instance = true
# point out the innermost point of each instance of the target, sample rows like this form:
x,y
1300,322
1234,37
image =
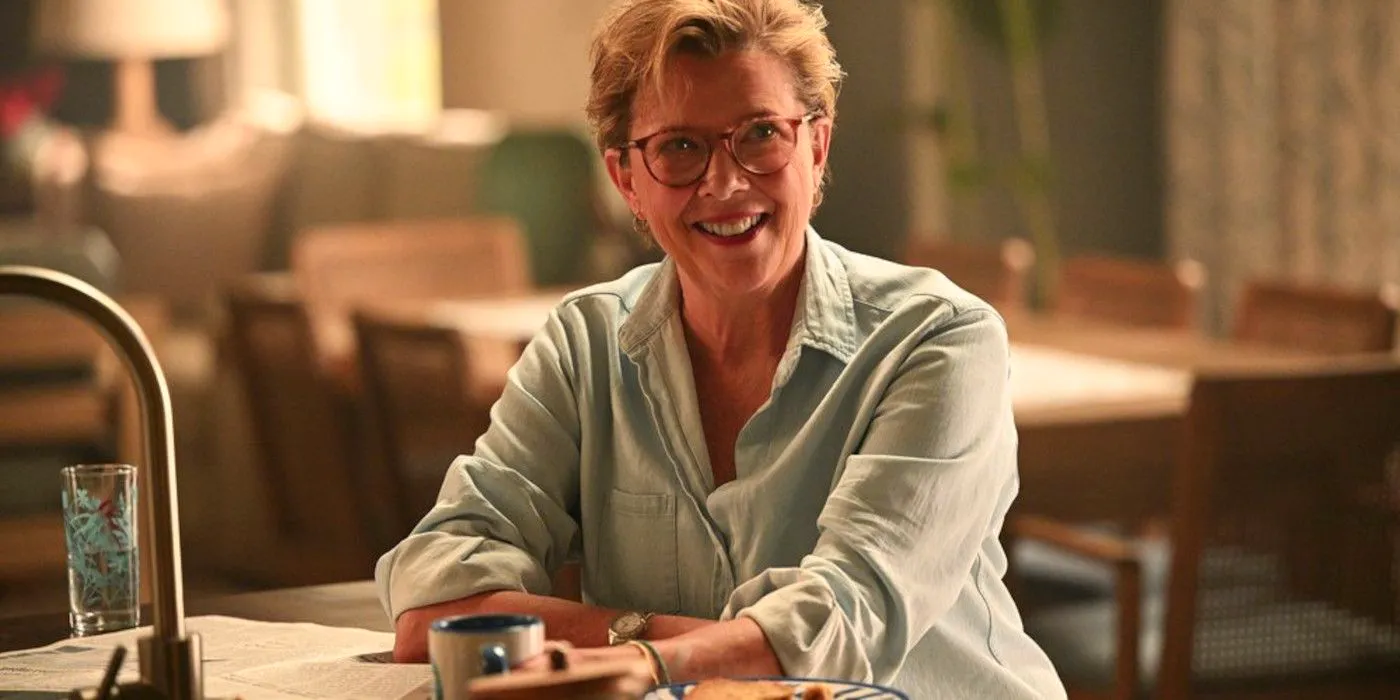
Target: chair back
x,y
418,385
302,429
998,273
338,267
547,180
1285,530
1315,318
1130,292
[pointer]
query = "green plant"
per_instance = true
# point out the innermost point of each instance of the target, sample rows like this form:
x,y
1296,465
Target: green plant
x,y
1017,29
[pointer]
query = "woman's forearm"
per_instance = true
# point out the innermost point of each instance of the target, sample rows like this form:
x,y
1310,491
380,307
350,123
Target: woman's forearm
x,y
734,648
579,624
565,620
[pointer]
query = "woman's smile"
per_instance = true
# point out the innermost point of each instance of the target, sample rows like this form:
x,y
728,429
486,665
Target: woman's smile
x,y
732,231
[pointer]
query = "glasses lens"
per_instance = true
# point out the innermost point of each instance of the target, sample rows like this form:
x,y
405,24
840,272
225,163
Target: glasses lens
x,y
764,146
677,157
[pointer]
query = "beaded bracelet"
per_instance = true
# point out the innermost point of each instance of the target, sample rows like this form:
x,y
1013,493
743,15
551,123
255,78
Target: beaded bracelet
x,y
659,673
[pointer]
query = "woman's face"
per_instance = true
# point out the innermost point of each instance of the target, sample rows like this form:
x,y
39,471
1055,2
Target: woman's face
x,y
731,232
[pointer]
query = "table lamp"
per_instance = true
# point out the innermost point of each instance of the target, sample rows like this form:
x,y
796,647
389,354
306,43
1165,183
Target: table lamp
x,y
133,34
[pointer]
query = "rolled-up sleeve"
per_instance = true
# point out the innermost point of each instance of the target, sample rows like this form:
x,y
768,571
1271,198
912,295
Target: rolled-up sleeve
x,y
506,516
905,520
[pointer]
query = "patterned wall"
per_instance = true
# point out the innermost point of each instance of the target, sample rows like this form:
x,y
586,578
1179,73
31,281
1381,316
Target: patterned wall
x,y
1283,140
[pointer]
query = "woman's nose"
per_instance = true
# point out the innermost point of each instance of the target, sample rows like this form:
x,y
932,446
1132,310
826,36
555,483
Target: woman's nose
x,y
725,176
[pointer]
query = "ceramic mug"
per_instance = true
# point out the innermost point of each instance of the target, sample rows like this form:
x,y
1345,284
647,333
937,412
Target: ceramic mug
x,y
463,647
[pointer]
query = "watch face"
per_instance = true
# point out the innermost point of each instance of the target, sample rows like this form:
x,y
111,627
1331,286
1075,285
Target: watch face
x,y
629,624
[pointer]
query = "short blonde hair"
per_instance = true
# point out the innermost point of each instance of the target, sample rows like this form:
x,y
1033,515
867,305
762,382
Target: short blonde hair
x,y
636,38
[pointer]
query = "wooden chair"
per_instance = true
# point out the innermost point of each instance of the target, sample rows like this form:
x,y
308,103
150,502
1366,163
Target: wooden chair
x,y
426,405
337,268
1122,292
1130,292
303,438
430,390
997,272
1322,319
1284,546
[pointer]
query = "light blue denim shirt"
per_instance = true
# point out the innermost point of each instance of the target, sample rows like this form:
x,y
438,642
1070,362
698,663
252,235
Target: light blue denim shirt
x,y
861,533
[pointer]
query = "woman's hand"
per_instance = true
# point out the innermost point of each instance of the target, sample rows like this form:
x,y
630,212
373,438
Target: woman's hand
x,y
411,637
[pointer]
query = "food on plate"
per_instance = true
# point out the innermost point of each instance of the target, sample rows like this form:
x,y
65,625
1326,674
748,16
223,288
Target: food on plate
x,y
727,689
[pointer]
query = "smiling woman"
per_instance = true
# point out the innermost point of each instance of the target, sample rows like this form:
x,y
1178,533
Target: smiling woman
x,y
772,456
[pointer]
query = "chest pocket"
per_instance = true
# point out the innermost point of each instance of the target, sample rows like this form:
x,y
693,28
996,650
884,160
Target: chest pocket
x,y
632,562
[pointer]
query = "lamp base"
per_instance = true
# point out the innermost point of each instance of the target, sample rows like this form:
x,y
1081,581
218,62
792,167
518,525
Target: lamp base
x,y
137,111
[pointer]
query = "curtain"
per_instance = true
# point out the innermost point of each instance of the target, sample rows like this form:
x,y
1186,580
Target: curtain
x,y
1283,141
372,65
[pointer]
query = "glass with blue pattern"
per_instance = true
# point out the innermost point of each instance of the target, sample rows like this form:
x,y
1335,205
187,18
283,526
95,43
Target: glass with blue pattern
x,y
99,526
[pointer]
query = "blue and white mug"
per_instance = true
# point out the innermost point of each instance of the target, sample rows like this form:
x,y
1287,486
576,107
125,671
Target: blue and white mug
x,y
463,647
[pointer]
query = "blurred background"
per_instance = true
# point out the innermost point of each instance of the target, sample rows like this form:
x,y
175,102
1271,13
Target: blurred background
x,y
275,186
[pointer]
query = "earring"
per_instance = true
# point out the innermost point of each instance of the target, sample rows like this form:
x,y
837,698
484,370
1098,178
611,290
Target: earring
x,y
640,226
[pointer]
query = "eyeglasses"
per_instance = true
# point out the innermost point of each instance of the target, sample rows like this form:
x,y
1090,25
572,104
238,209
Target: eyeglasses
x,y
680,157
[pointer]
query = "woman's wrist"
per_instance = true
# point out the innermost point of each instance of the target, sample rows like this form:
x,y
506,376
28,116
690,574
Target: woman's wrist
x,y
668,626
670,652
660,674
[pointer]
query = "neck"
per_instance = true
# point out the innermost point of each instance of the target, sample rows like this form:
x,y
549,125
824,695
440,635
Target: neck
x,y
733,329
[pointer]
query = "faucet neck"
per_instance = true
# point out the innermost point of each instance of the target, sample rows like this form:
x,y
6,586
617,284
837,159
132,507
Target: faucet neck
x,y
161,508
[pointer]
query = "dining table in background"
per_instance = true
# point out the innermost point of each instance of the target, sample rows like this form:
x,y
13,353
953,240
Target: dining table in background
x,y
1098,412
1098,406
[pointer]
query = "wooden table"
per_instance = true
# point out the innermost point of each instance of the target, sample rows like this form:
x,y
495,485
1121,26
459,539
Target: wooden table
x,y
1061,368
514,318
340,605
1109,455
1098,407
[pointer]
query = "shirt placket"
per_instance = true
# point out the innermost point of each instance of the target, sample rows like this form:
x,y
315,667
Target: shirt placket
x,y
658,373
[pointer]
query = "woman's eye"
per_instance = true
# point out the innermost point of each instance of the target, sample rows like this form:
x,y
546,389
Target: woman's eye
x,y
678,144
760,131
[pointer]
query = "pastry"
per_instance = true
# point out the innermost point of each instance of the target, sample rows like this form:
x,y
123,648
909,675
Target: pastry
x,y
726,689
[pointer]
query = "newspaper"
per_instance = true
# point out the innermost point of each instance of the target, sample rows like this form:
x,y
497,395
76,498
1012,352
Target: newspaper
x,y
242,658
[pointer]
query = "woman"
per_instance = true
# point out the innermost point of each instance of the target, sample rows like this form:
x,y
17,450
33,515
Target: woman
x,y
770,454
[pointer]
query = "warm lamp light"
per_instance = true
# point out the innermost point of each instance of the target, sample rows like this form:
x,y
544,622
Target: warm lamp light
x,y
132,33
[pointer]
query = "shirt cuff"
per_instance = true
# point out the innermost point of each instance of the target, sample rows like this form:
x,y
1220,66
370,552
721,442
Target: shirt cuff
x,y
435,567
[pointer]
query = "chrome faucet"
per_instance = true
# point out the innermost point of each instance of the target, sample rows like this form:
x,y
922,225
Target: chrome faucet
x,y
171,661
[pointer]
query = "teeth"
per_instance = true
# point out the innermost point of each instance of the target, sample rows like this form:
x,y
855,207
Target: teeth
x,y
733,228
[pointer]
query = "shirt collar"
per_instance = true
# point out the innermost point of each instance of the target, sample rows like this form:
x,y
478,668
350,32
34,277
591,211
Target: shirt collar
x,y
825,316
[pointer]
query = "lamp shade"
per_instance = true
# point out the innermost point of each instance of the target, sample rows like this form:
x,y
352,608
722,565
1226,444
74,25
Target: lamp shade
x,y
116,29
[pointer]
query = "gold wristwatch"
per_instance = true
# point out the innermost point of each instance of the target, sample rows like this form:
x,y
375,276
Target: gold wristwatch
x,y
627,627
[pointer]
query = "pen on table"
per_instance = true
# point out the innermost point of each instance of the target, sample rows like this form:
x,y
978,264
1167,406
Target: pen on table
x,y
109,677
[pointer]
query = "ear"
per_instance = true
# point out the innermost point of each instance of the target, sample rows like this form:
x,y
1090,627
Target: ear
x,y
621,175
821,147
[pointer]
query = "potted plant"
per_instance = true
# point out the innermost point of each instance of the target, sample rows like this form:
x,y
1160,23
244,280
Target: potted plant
x,y
1017,29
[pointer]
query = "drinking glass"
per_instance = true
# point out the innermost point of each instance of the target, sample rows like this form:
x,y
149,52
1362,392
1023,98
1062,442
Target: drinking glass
x,y
99,525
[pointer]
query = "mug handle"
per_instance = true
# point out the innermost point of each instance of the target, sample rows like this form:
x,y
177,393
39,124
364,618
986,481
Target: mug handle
x,y
494,660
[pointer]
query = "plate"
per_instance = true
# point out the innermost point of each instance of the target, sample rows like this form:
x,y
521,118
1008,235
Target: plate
x,y
843,690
